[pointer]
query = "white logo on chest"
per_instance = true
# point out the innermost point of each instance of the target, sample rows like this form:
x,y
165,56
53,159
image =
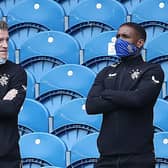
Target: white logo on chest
x,y
135,73
4,79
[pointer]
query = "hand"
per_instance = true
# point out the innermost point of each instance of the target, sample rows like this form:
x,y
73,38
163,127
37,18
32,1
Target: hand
x,y
10,94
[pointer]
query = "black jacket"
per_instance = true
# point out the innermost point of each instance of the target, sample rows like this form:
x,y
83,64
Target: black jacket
x,y
125,93
12,76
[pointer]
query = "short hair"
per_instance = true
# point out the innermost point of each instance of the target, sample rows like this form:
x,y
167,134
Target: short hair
x,y
138,28
3,25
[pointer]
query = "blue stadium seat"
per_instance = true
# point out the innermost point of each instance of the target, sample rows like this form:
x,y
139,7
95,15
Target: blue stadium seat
x,y
32,16
85,153
46,50
161,148
130,4
42,149
156,21
1,14
68,5
6,5
89,18
160,115
64,83
11,50
100,51
30,93
72,123
157,53
33,117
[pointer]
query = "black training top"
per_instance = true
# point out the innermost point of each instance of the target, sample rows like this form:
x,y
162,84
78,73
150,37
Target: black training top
x,y
125,93
12,76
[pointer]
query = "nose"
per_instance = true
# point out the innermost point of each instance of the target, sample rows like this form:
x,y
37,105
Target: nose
x,y
5,44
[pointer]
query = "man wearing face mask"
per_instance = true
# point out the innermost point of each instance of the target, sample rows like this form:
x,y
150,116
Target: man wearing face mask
x,y
125,94
13,81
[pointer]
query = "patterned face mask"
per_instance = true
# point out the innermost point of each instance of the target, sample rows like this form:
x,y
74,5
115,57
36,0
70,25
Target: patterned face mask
x,y
124,48
2,61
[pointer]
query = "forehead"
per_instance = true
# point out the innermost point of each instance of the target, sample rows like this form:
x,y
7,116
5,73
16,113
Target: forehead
x,y
127,30
4,34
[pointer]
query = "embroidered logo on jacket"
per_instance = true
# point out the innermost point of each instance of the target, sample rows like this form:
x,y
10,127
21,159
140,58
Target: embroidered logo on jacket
x,y
154,80
4,79
135,73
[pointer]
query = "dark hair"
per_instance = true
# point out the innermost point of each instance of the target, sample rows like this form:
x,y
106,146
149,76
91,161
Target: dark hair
x,y
3,25
139,29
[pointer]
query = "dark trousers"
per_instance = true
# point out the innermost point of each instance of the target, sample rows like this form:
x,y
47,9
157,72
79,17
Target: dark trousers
x,y
146,160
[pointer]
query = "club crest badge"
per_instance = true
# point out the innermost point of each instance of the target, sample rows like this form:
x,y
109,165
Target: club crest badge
x,y
135,73
4,79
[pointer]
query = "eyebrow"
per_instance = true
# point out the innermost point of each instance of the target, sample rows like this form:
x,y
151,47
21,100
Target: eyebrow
x,y
122,35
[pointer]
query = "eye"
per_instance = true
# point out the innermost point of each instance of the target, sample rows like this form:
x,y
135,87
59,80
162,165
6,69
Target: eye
x,y
117,36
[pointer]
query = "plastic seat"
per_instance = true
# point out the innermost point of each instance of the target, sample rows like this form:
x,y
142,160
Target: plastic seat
x,y
6,5
1,14
47,50
42,149
11,50
157,53
64,83
160,115
89,18
156,21
100,51
130,4
68,5
161,148
30,93
165,89
33,117
72,123
85,153
32,16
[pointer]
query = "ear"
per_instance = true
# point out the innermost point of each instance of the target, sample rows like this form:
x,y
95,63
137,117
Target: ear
x,y
140,43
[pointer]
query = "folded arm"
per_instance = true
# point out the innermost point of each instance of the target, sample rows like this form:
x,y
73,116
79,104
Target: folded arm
x,y
146,92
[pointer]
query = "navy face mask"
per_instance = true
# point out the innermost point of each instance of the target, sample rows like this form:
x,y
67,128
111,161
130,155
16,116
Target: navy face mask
x,y
124,48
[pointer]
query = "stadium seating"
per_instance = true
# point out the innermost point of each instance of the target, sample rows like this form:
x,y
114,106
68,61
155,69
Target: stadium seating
x,y
71,122
68,5
42,149
6,5
85,153
33,117
157,53
1,14
11,50
130,4
161,148
89,18
64,83
32,16
160,115
30,92
100,51
46,50
156,21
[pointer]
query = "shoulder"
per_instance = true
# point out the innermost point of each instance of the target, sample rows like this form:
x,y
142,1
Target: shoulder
x,y
153,66
16,69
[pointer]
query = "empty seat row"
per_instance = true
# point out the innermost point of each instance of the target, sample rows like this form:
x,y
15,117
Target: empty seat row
x,y
46,150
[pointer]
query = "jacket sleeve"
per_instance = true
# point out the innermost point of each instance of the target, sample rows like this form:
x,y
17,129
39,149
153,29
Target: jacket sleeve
x,y
146,92
11,108
95,103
